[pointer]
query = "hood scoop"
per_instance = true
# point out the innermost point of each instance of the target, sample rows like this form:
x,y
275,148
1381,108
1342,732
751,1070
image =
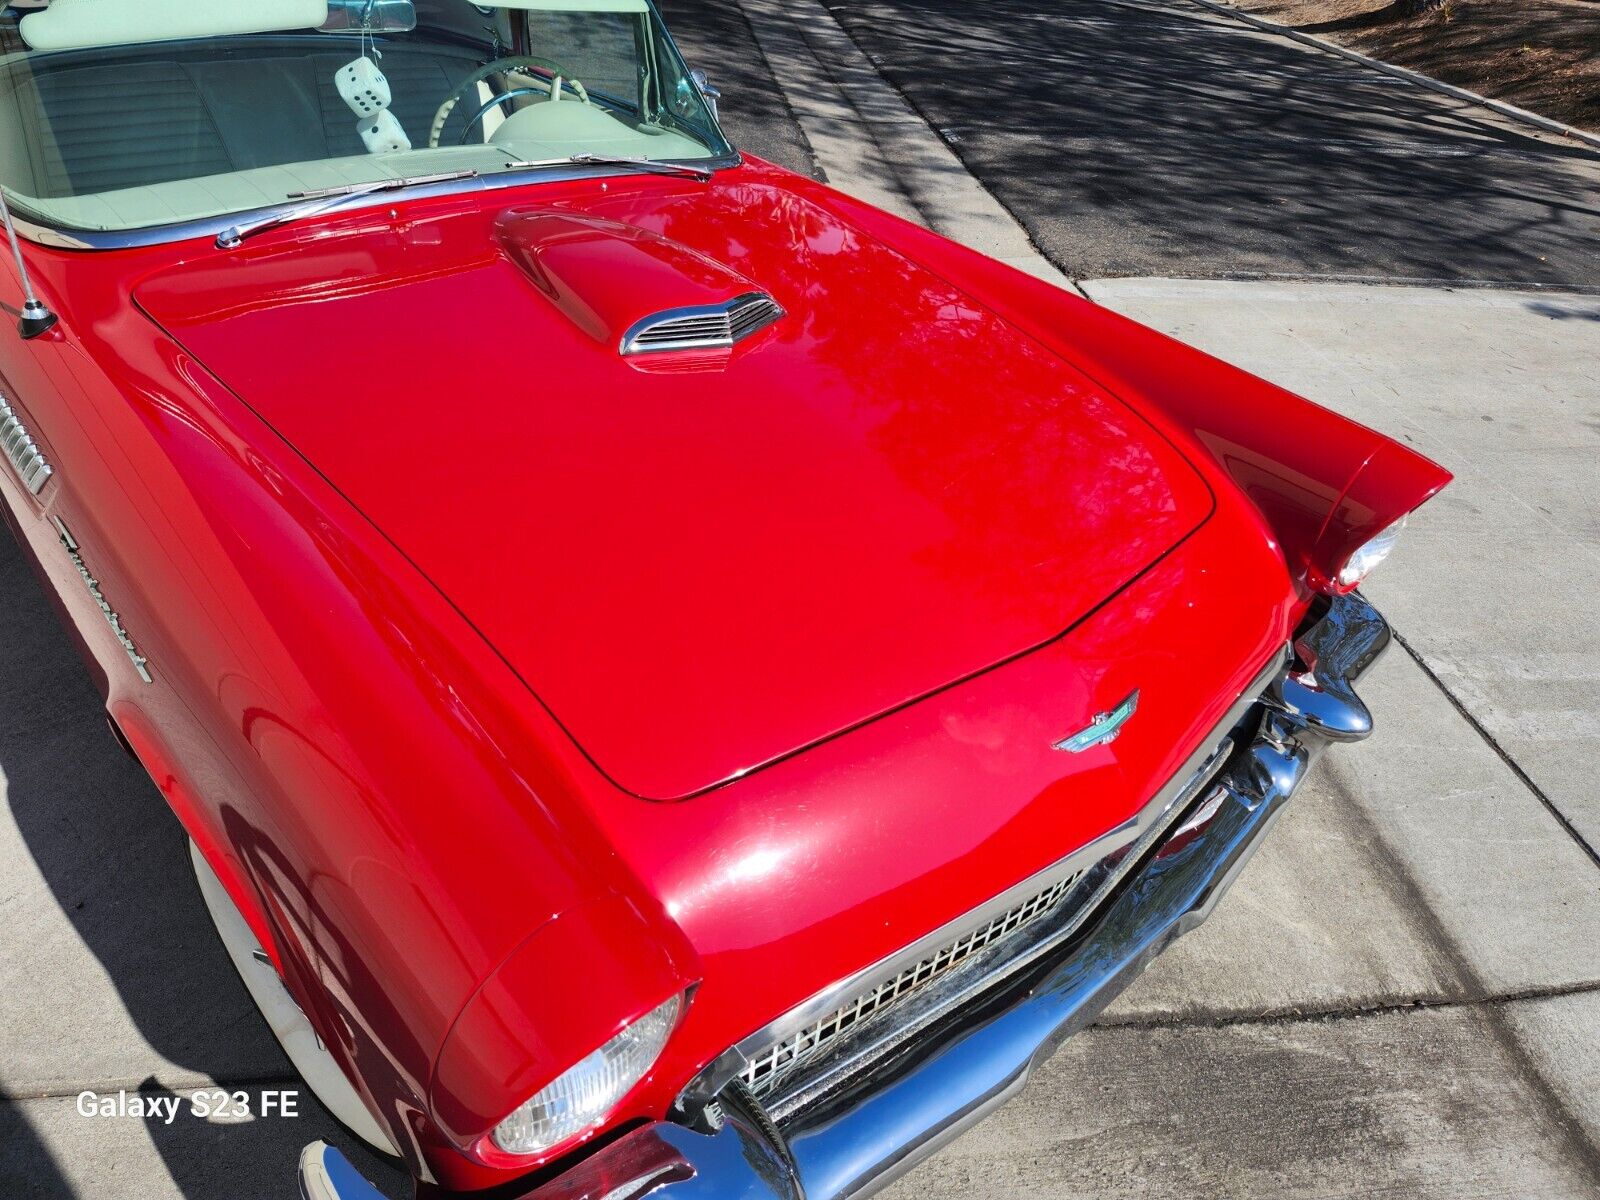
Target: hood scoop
x,y
711,327
630,288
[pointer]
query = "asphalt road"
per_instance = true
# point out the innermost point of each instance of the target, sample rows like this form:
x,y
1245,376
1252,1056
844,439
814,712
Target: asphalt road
x,y
1159,139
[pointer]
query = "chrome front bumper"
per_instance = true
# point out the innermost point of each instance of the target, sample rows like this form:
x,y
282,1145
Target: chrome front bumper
x,y
963,1070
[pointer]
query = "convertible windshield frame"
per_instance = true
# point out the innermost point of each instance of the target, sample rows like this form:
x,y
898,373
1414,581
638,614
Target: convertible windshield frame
x,y
67,237
60,230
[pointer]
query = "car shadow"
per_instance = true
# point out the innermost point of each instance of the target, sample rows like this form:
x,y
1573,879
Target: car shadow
x,y
115,977
1565,310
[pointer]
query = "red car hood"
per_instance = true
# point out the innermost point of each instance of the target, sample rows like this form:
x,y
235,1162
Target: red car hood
x,y
699,562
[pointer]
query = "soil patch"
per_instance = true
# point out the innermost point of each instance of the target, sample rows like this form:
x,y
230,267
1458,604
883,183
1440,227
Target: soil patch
x,y
1541,54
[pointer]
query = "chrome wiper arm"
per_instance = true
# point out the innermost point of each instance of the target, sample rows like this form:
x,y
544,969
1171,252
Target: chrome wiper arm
x,y
637,163
641,163
321,200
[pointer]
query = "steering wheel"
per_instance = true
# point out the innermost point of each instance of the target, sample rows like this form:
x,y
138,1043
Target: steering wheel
x,y
559,76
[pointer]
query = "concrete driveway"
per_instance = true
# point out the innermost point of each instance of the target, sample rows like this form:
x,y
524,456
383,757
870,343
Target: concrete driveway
x,y
1402,995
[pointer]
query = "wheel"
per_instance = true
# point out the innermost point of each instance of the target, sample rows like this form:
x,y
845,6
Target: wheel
x,y
319,1069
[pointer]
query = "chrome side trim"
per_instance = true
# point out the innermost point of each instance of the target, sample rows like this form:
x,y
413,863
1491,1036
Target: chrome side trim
x,y
141,664
1147,823
37,230
702,327
26,459
897,1114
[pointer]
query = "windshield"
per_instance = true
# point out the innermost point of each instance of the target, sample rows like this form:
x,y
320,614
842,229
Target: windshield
x,y
126,114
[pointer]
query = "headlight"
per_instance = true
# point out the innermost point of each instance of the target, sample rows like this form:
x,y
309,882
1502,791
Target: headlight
x,y
1360,564
582,1097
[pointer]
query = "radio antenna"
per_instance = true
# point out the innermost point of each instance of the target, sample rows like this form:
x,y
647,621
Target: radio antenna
x,y
36,318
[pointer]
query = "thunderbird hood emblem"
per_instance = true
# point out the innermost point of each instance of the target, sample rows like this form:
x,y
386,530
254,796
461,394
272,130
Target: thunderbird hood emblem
x,y
1104,728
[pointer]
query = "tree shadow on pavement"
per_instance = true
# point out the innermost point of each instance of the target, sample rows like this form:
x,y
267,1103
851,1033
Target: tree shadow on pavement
x,y
1149,139
165,1005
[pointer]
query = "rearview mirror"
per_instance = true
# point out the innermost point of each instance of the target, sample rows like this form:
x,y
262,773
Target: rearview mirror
x,y
370,16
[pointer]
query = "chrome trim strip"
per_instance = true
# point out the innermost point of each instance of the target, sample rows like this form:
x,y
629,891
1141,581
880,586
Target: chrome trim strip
x,y
40,232
1144,824
27,460
141,664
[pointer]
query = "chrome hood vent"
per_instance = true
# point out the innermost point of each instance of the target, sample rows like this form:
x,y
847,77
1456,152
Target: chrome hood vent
x,y
631,289
706,327
26,460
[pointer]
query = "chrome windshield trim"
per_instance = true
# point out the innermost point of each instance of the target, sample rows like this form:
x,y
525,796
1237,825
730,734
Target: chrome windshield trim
x,y
317,202
34,229
1149,822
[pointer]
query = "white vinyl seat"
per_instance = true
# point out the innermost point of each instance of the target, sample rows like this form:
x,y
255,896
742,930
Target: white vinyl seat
x,y
159,115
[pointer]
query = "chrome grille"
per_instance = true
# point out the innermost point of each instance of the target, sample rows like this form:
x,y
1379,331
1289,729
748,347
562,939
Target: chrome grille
x,y
822,1047
25,457
763,1074
712,327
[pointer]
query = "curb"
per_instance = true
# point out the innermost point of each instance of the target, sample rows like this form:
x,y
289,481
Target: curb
x,y
869,141
1413,77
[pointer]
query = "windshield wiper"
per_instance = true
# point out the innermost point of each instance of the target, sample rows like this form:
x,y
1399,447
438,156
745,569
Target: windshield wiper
x,y
639,163
323,200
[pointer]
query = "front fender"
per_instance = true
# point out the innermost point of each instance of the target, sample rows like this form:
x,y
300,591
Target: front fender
x,y
562,993
1322,482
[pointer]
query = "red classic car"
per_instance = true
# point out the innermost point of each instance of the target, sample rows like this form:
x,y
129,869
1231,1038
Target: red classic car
x,y
677,681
